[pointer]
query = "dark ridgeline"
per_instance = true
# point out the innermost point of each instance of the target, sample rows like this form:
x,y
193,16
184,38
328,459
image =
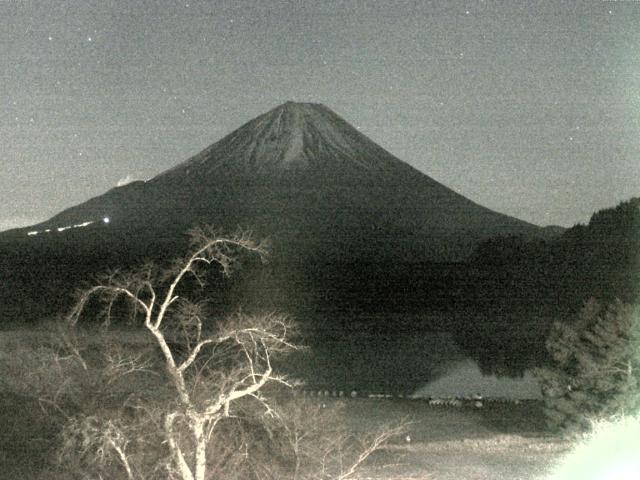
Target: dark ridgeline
x,y
530,284
362,242
600,260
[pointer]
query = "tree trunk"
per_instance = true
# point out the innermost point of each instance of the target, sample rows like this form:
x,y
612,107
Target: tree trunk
x,y
181,463
197,426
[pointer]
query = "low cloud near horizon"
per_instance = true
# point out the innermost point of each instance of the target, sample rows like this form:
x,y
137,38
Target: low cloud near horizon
x,y
124,180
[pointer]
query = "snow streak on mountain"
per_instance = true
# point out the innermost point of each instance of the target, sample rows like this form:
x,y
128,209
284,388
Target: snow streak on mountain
x,y
291,137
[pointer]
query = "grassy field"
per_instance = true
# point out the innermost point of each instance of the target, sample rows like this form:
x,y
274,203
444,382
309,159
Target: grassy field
x,y
27,437
497,441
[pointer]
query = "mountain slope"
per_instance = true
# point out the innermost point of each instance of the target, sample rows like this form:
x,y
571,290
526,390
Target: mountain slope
x,y
305,177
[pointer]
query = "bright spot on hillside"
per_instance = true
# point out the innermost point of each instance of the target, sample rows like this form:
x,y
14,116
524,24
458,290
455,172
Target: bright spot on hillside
x,y
105,220
612,452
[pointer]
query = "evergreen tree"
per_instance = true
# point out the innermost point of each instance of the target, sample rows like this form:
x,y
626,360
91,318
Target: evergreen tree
x,y
594,371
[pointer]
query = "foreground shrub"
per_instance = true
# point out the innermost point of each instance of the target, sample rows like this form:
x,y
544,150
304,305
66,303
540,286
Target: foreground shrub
x,y
595,368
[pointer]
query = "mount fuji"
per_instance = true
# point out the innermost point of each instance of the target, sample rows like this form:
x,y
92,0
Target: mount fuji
x,y
306,178
343,215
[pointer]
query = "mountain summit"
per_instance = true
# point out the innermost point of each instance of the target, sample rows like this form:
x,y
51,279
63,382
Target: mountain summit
x,y
292,137
305,177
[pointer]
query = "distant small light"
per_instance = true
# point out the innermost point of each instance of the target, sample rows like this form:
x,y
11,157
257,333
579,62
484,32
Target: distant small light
x,y
33,232
105,220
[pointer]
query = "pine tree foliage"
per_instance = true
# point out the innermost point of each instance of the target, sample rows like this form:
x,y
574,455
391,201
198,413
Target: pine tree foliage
x,y
595,366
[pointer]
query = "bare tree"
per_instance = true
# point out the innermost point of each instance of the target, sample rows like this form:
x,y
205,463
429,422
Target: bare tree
x,y
208,415
209,367
323,447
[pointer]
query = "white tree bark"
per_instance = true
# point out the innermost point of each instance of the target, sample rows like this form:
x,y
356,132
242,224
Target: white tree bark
x,y
255,342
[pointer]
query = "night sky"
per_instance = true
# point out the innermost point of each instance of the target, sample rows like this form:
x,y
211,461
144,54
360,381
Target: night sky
x,y
529,108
